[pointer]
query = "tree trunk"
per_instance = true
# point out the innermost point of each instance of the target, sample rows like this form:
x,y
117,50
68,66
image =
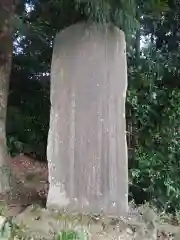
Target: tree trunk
x,y
6,14
137,46
13,191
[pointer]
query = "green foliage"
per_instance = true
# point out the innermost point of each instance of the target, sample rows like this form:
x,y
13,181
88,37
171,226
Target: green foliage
x,y
71,235
155,111
9,230
5,231
121,13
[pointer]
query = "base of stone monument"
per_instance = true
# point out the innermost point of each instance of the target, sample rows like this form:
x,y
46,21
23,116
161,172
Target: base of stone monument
x,y
58,201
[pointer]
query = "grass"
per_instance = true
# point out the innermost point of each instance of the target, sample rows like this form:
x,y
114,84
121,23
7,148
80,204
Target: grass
x,y
71,235
10,231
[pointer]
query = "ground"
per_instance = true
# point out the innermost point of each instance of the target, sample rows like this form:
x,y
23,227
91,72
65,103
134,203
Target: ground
x,y
33,181
39,223
32,173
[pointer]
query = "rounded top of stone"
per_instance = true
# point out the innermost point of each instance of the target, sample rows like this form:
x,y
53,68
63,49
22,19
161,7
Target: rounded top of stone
x,y
91,28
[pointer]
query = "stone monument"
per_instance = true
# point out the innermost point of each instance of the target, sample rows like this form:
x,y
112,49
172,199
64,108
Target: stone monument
x,y
87,151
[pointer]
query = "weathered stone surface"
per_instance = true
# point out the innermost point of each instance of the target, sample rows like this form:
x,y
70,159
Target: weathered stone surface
x,y
87,152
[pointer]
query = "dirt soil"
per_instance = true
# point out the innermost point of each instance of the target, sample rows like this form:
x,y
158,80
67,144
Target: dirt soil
x,y
32,177
31,172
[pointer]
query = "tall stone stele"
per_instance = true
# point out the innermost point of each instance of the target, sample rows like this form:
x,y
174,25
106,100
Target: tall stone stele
x,y
87,152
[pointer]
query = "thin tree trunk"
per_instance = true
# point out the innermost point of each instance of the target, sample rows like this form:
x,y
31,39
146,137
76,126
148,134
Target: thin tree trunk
x,y
138,38
137,45
6,14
